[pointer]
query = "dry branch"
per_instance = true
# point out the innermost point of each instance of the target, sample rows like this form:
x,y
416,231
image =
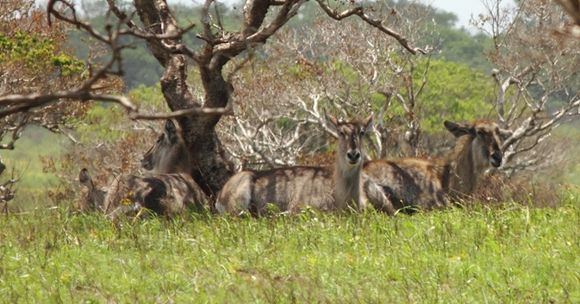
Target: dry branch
x,y
535,78
377,23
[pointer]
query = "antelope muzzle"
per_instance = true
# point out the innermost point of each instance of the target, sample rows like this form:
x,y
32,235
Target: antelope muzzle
x,y
353,156
496,158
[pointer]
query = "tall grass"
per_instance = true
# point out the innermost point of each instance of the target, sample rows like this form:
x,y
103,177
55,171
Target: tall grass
x,y
511,253
25,161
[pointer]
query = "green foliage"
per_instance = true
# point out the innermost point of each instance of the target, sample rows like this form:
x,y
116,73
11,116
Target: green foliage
x,y
68,65
34,183
346,72
37,52
29,49
454,92
285,123
148,96
103,122
298,71
462,47
500,255
141,67
98,123
564,140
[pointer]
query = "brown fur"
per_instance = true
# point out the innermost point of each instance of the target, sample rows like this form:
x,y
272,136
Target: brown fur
x,y
95,197
169,154
167,190
414,182
409,182
293,188
477,149
164,194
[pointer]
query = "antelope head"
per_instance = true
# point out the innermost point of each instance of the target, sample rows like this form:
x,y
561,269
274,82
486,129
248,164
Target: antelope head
x,y
169,154
95,197
350,137
487,137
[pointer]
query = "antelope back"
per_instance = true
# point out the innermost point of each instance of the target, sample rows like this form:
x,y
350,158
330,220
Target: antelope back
x,y
164,194
294,188
426,183
169,154
405,184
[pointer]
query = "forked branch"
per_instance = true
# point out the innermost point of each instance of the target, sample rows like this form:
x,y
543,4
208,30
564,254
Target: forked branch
x,y
377,23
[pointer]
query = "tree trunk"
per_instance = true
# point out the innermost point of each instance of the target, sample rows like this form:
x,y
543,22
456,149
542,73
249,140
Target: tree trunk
x,y
211,167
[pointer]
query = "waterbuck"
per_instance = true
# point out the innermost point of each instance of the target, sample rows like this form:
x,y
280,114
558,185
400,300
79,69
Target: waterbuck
x,y
95,197
415,182
169,154
293,188
168,189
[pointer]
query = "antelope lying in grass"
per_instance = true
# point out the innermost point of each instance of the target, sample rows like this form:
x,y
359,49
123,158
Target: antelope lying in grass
x,y
95,197
292,188
167,190
414,182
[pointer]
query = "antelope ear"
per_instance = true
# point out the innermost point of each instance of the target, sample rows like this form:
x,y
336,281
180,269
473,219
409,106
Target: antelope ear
x,y
170,131
505,133
457,129
331,119
84,177
368,122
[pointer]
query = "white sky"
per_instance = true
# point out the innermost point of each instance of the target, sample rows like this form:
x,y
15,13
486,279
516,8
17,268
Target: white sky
x,y
464,9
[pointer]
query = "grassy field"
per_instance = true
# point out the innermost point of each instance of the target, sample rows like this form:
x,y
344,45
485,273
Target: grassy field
x,y
26,162
511,253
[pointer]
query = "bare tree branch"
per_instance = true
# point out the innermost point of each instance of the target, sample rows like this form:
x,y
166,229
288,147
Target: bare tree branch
x,y
181,113
254,15
16,131
377,23
24,102
526,97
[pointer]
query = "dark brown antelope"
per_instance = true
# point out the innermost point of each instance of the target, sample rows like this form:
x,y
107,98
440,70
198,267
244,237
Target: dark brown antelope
x,y
293,188
169,154
95,196
415,182
476,150
168,189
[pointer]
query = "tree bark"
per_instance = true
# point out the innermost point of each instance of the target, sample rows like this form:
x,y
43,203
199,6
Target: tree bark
x,y
211,168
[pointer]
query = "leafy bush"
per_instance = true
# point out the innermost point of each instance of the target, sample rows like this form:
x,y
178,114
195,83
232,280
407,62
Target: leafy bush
x,y
37,52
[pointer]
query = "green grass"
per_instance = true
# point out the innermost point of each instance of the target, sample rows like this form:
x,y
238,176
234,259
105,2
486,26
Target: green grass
x,y
26,162
497,255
